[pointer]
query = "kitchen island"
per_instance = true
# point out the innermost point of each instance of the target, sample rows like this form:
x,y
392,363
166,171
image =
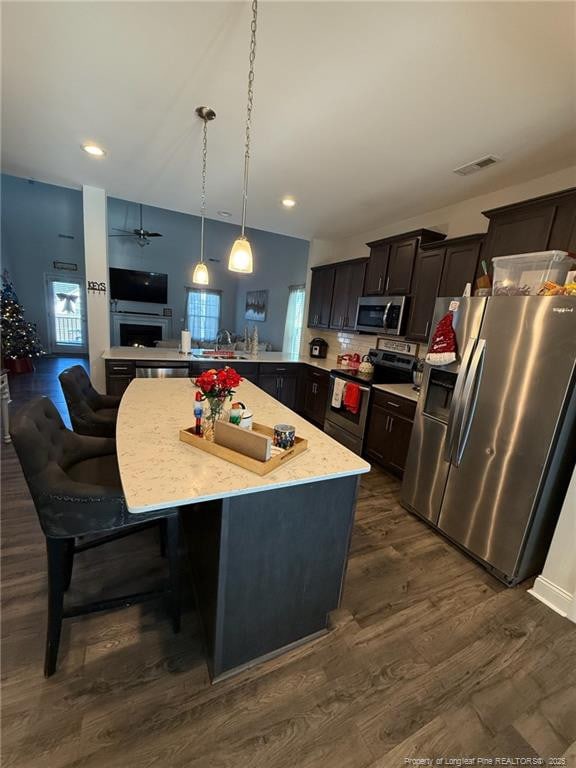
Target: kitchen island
x,y
268,553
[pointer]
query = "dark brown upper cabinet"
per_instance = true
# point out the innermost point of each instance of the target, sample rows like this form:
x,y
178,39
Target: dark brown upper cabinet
x,y
391,264
442,269
540,224
461,257
377,270
401,266
429,265
321,290
348,285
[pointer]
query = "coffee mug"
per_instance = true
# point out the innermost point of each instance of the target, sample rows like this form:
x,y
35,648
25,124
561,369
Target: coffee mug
x,y
284,435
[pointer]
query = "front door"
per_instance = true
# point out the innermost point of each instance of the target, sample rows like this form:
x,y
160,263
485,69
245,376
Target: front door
x,y
65,301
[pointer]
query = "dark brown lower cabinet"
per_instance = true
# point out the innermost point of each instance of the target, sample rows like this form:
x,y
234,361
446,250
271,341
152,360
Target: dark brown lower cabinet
x,y
283,387
390,424
315,395
118,376
117,385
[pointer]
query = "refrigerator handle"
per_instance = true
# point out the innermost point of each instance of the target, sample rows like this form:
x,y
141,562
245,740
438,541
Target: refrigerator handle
x,y
469,399
455,405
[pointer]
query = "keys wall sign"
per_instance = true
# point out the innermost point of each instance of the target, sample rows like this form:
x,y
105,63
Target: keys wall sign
x,y
93,286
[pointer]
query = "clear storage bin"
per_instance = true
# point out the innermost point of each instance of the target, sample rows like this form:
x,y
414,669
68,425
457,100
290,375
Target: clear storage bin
x,y
523,274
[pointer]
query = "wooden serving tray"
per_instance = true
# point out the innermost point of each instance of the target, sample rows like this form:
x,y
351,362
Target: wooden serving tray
x,y
246,462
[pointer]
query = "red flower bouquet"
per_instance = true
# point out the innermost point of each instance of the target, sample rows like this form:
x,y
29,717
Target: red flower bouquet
x,y
217,386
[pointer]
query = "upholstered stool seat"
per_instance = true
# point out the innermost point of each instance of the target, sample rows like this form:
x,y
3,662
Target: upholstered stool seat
x,y
90,412
75,483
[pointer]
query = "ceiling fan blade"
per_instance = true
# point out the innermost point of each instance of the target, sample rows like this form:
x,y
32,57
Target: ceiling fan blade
x,y
154,234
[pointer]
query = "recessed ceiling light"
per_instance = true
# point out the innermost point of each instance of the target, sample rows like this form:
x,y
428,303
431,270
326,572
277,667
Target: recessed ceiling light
x,y
224,214
93,150
288,202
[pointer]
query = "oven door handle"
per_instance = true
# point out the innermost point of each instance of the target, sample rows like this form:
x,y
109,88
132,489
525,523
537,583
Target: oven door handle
x,y
349,381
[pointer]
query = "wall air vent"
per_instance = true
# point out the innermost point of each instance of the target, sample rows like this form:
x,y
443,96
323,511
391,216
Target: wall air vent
x,y
477,165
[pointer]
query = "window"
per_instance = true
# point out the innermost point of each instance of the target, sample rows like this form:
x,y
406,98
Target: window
x,y
203,314
294,320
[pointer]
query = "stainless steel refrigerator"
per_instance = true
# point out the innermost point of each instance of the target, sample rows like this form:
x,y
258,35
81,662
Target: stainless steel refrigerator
x,y
494,438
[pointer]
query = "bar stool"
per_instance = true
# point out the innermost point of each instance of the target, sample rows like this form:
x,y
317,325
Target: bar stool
x,y
75,485
90,412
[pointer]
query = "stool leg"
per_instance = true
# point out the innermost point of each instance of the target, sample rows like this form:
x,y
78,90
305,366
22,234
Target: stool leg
x,y
69,563
172,550
56,550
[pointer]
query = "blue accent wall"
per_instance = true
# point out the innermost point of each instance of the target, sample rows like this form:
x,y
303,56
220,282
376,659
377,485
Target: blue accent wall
x,y
34,214
33,217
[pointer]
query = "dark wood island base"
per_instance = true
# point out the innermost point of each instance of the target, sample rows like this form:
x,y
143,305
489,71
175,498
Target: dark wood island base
x,y
268,568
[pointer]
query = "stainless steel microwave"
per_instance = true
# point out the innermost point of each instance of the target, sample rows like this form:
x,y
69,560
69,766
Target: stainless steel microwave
x,y
382,314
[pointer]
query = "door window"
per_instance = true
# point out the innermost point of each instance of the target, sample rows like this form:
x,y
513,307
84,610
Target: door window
x,y
67,314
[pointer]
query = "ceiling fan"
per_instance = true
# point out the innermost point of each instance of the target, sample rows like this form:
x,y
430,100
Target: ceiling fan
x,y
142,235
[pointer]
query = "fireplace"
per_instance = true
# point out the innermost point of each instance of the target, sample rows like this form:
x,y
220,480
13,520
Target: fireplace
x,y
139,335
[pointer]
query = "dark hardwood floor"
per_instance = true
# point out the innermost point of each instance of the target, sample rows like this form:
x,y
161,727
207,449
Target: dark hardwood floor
x,y
429,656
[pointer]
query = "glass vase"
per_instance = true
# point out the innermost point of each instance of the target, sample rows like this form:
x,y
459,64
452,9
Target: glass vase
x,y
215,412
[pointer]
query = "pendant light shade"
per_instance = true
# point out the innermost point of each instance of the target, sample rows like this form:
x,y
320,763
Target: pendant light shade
x,y
200,275
240,259
241,256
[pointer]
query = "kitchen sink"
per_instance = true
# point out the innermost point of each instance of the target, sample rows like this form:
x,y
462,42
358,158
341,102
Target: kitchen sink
x,y
216,356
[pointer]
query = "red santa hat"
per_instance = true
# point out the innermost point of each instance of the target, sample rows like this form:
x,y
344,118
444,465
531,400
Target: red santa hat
x,y
442,349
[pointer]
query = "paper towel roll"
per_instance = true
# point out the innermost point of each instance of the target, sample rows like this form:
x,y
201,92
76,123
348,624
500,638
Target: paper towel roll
x,y
185,344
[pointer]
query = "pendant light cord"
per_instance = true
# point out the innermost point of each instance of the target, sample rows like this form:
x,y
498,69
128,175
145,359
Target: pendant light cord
x,y
249,109
203,195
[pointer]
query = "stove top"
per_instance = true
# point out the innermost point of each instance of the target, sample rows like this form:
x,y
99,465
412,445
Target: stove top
x,y
393,364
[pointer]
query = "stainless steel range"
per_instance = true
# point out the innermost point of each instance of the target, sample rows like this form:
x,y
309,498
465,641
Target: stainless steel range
x,y
346,418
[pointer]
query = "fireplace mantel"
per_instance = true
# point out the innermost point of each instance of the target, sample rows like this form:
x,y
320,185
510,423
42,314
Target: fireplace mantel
x,y
135,318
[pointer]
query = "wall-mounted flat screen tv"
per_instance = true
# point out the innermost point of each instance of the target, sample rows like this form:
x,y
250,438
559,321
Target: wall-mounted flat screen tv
x,y
132,285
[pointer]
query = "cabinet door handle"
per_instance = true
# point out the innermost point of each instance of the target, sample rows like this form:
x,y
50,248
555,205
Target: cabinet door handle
x,y
119,368
386,425
379,283
391,424
280,369
376,453
387,283
394,405
426,331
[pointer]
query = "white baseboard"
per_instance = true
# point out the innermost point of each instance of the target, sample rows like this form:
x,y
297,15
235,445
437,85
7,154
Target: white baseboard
x,y
554,597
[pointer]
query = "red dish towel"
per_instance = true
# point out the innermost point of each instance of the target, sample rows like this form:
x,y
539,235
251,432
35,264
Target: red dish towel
x,y
351,399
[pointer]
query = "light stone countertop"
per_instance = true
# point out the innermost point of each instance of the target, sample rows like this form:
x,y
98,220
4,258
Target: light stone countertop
x,y
162,354
402,390
159,471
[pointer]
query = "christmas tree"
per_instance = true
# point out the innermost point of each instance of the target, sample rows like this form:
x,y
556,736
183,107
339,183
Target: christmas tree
x,y
19,338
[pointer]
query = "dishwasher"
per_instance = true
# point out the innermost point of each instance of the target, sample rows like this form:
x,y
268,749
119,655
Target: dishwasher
x,y
163,370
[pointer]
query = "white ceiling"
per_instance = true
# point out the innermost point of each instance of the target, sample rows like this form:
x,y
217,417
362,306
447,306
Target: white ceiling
x,y
362,110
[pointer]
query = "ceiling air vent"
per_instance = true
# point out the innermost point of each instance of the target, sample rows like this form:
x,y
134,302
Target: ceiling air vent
x,y
477,165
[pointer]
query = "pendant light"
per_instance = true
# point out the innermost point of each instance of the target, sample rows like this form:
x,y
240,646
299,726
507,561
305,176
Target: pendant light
x,y
201,276
241,254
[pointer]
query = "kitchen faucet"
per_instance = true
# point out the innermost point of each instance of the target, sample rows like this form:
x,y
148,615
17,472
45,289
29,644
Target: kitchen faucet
x,y
223,337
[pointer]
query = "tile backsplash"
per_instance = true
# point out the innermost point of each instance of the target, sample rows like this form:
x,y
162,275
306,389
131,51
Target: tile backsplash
x,y
341,342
